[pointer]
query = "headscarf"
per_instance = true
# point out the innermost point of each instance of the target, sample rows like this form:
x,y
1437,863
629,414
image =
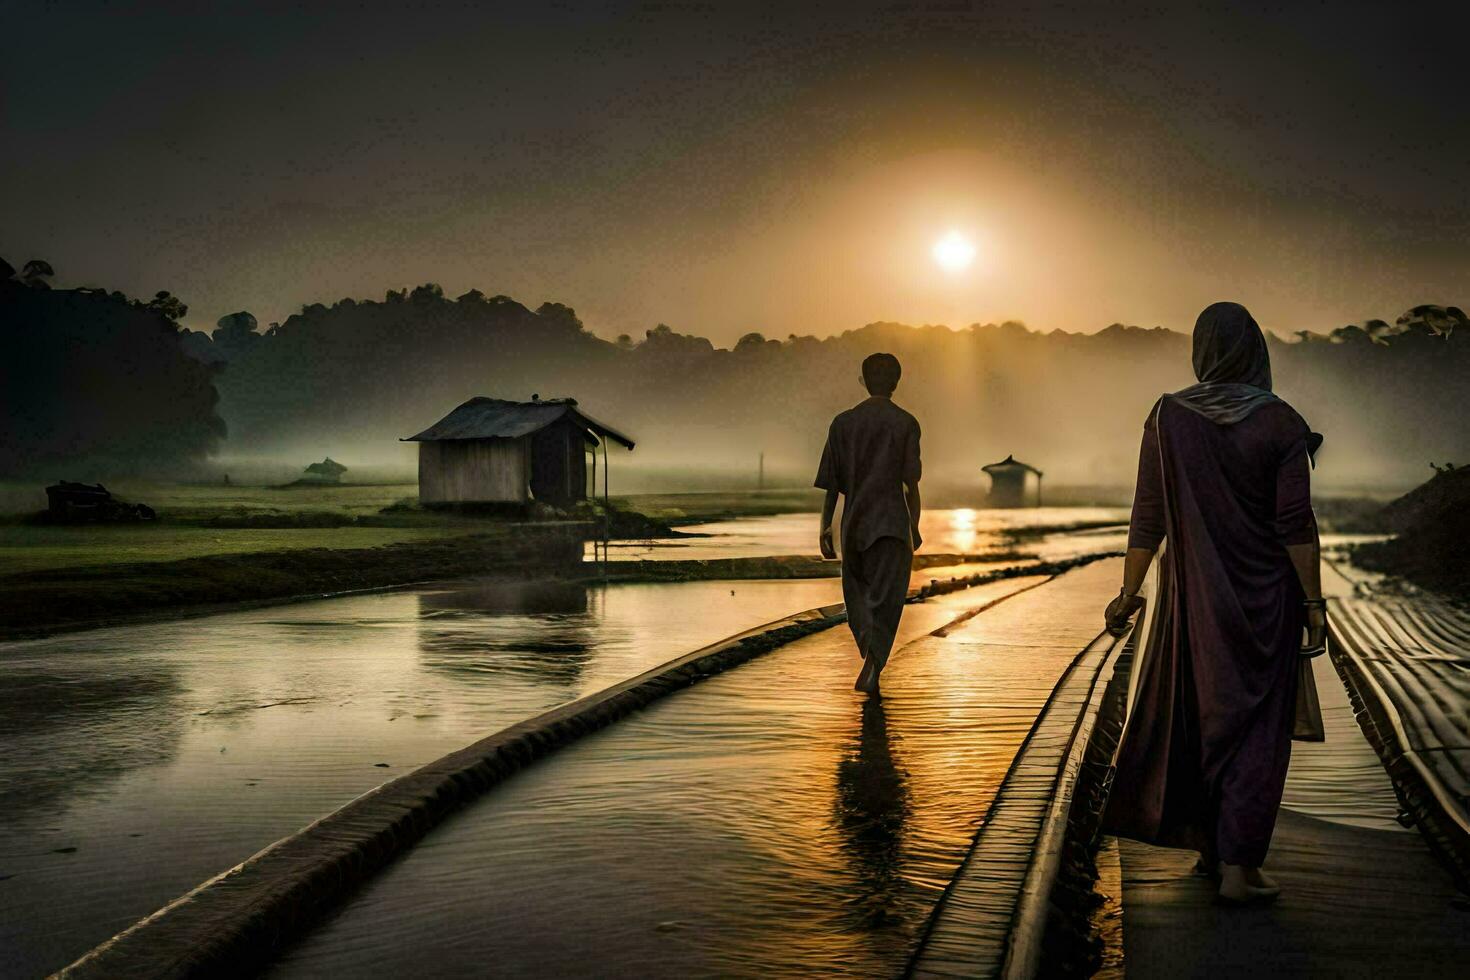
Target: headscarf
x,y
1233,367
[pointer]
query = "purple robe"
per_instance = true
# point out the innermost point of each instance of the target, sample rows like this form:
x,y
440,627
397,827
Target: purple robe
x,y
1203,762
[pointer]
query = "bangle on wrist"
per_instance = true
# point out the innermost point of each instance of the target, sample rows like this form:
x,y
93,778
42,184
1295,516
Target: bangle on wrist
x,y
1318,603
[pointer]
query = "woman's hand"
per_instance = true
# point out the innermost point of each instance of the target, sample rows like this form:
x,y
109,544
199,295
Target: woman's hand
x,y
1316,641
824,542
1120,611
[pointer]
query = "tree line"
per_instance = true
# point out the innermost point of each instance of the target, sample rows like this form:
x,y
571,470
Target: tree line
x,y
356,376
94,383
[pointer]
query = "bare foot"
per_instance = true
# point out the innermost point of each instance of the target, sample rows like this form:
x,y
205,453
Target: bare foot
x,y
1260,881
867,680
1236,889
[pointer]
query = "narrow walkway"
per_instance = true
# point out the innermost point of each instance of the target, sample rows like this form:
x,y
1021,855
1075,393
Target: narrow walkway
x,y
1362,897
1356,903
770,821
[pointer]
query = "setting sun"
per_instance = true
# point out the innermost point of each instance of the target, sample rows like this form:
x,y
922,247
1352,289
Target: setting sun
x,y
954,252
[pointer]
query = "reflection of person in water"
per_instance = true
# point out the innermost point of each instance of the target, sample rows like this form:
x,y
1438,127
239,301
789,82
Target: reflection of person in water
x,y
871,806
872,459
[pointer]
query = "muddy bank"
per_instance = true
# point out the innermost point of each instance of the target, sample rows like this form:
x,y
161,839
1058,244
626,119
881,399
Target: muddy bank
x,y
1433,525
42,601
39,602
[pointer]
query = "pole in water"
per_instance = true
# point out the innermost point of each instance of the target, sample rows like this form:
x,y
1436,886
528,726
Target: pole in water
x,y
606,514
593,496
760,472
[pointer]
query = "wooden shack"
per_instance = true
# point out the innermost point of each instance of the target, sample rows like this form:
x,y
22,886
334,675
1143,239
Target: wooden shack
x,y
493,451
1008,483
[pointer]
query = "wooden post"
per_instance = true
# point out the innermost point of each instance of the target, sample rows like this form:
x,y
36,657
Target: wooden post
x,y
606,514
760,473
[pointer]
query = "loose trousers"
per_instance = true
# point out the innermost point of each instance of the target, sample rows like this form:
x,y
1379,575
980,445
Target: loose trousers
x,y
875,582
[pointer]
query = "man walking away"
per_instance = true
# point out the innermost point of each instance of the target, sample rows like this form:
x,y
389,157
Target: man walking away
x,y
872,459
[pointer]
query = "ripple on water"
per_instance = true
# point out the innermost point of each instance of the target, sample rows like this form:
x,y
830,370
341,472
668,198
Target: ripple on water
x,y
141,761
770,821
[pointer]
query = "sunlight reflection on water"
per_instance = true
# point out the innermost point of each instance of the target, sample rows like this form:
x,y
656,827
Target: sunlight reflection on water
x,y
136,762
960,531
770,822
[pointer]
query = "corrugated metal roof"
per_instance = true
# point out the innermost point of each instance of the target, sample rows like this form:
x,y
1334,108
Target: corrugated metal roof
x,y
496,418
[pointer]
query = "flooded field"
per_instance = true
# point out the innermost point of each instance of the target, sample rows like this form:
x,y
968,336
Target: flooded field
x,y
137,762
963,531
769,822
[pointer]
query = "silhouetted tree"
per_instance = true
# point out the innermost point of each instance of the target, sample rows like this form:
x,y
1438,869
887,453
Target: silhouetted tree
x,y
235,334
37,273
558,316
168,306
92,383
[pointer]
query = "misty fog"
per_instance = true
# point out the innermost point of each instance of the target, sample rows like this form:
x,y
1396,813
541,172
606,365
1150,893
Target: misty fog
x,y
352,379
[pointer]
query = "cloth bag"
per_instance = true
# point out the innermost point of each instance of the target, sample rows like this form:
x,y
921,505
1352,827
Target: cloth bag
x,y
1309,726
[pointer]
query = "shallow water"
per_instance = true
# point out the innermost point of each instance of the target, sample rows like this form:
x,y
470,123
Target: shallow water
x,y
137,762
960,531
768,822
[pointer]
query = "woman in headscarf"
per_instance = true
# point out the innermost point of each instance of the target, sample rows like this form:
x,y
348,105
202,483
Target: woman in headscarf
x,y
1224,478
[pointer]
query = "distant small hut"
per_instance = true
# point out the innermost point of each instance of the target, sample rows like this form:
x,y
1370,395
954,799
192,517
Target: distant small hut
x,y
492,451
327,471
72,503
1008,483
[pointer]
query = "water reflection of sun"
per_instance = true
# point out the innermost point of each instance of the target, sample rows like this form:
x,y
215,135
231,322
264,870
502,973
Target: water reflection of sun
x,y
963,530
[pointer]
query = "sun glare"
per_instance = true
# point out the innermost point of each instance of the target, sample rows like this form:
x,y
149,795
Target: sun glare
x,y
954,252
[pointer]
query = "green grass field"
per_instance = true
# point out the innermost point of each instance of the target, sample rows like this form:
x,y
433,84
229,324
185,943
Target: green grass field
x,y
193,501
199,520
31,548
193,521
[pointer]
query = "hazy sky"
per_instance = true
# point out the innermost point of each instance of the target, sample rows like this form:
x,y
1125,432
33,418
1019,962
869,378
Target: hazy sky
x,y
726,167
